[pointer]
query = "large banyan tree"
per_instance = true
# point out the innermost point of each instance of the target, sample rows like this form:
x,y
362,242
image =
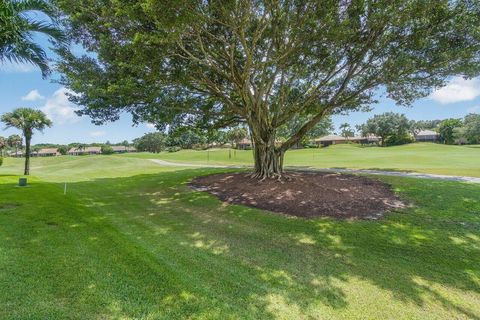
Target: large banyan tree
x,y
262,62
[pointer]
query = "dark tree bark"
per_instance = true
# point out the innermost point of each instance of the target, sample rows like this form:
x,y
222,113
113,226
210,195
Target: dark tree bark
x,y
268,160
28,139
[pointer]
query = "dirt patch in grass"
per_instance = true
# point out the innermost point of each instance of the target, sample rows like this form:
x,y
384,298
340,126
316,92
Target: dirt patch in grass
x,y
308,194
8,206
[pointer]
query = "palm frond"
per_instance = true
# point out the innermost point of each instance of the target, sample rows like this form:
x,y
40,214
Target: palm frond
x,y
47,29
26,51
17,42
33,5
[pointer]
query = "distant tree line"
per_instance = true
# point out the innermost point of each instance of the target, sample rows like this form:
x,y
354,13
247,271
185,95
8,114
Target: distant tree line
x,y
189,138
391,128
14,145
461,131
395,129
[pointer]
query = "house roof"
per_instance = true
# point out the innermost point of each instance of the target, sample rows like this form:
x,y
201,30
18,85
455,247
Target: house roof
x,y
245,141
330,137
427,133
47,151
19,152
370,137
122,148
355,138
333,137
87,149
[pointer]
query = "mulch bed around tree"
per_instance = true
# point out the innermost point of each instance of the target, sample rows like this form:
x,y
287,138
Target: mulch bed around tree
x,y
307,194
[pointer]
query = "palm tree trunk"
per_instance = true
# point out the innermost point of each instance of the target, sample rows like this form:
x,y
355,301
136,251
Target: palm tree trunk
x,y
27,155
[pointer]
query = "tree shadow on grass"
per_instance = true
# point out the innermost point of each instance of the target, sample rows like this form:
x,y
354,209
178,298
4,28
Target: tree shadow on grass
x,y
177,252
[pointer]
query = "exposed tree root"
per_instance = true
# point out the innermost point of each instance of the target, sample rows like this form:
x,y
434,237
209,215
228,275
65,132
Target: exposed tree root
x,y
262,176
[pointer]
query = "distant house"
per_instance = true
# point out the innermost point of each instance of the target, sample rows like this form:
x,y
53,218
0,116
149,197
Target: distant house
x,y
329,140
427,136
326,141
369,139
14,154
46,152
123,149
86,150
244,144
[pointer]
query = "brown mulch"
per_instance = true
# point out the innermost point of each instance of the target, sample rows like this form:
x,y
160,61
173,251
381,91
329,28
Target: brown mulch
x,y
307,194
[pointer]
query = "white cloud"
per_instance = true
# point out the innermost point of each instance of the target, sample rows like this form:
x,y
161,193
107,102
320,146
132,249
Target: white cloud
x,y
457,90
474,109
150,125
59,109
12,67
33,95
97,133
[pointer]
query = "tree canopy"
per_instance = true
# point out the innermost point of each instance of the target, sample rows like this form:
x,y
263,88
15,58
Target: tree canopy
x,y
151,142
186,137
472,128
106,149
446,129
461,132
3,144
262,62
14,141
392,128
346,130
322,128
236,135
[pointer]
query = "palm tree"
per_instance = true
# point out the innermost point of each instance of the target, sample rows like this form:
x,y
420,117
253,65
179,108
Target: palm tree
x,y
346,130
14,141
3,143
81,147
18,29
35,150
126,145
27,120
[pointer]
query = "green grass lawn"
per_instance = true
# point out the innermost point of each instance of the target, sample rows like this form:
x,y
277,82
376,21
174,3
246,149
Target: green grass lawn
x,y
417,157
131,241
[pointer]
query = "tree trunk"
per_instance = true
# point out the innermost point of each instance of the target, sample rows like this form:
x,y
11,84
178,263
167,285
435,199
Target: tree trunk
x,y
27,155
268,159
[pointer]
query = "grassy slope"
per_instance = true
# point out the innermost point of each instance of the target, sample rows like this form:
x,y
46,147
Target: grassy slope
x,y
130,240
419,157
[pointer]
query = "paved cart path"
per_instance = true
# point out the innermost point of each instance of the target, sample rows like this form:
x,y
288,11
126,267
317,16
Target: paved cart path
x,y
364,171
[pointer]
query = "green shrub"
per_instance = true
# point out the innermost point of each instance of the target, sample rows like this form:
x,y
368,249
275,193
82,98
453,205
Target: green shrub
x,y
396,140
310,145
1,161
200,146
63,150
106,149
173,149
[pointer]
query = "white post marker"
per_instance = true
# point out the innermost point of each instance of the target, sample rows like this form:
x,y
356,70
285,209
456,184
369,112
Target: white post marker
x,y
65,189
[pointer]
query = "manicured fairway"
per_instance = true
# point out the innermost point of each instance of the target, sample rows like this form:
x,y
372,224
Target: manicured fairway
x,y
131,241
417,157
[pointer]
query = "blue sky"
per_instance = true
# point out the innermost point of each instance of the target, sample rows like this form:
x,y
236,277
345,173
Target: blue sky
x,y
23,86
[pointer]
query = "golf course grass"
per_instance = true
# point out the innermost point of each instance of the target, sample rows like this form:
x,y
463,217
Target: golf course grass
x,y
130,240
416,157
